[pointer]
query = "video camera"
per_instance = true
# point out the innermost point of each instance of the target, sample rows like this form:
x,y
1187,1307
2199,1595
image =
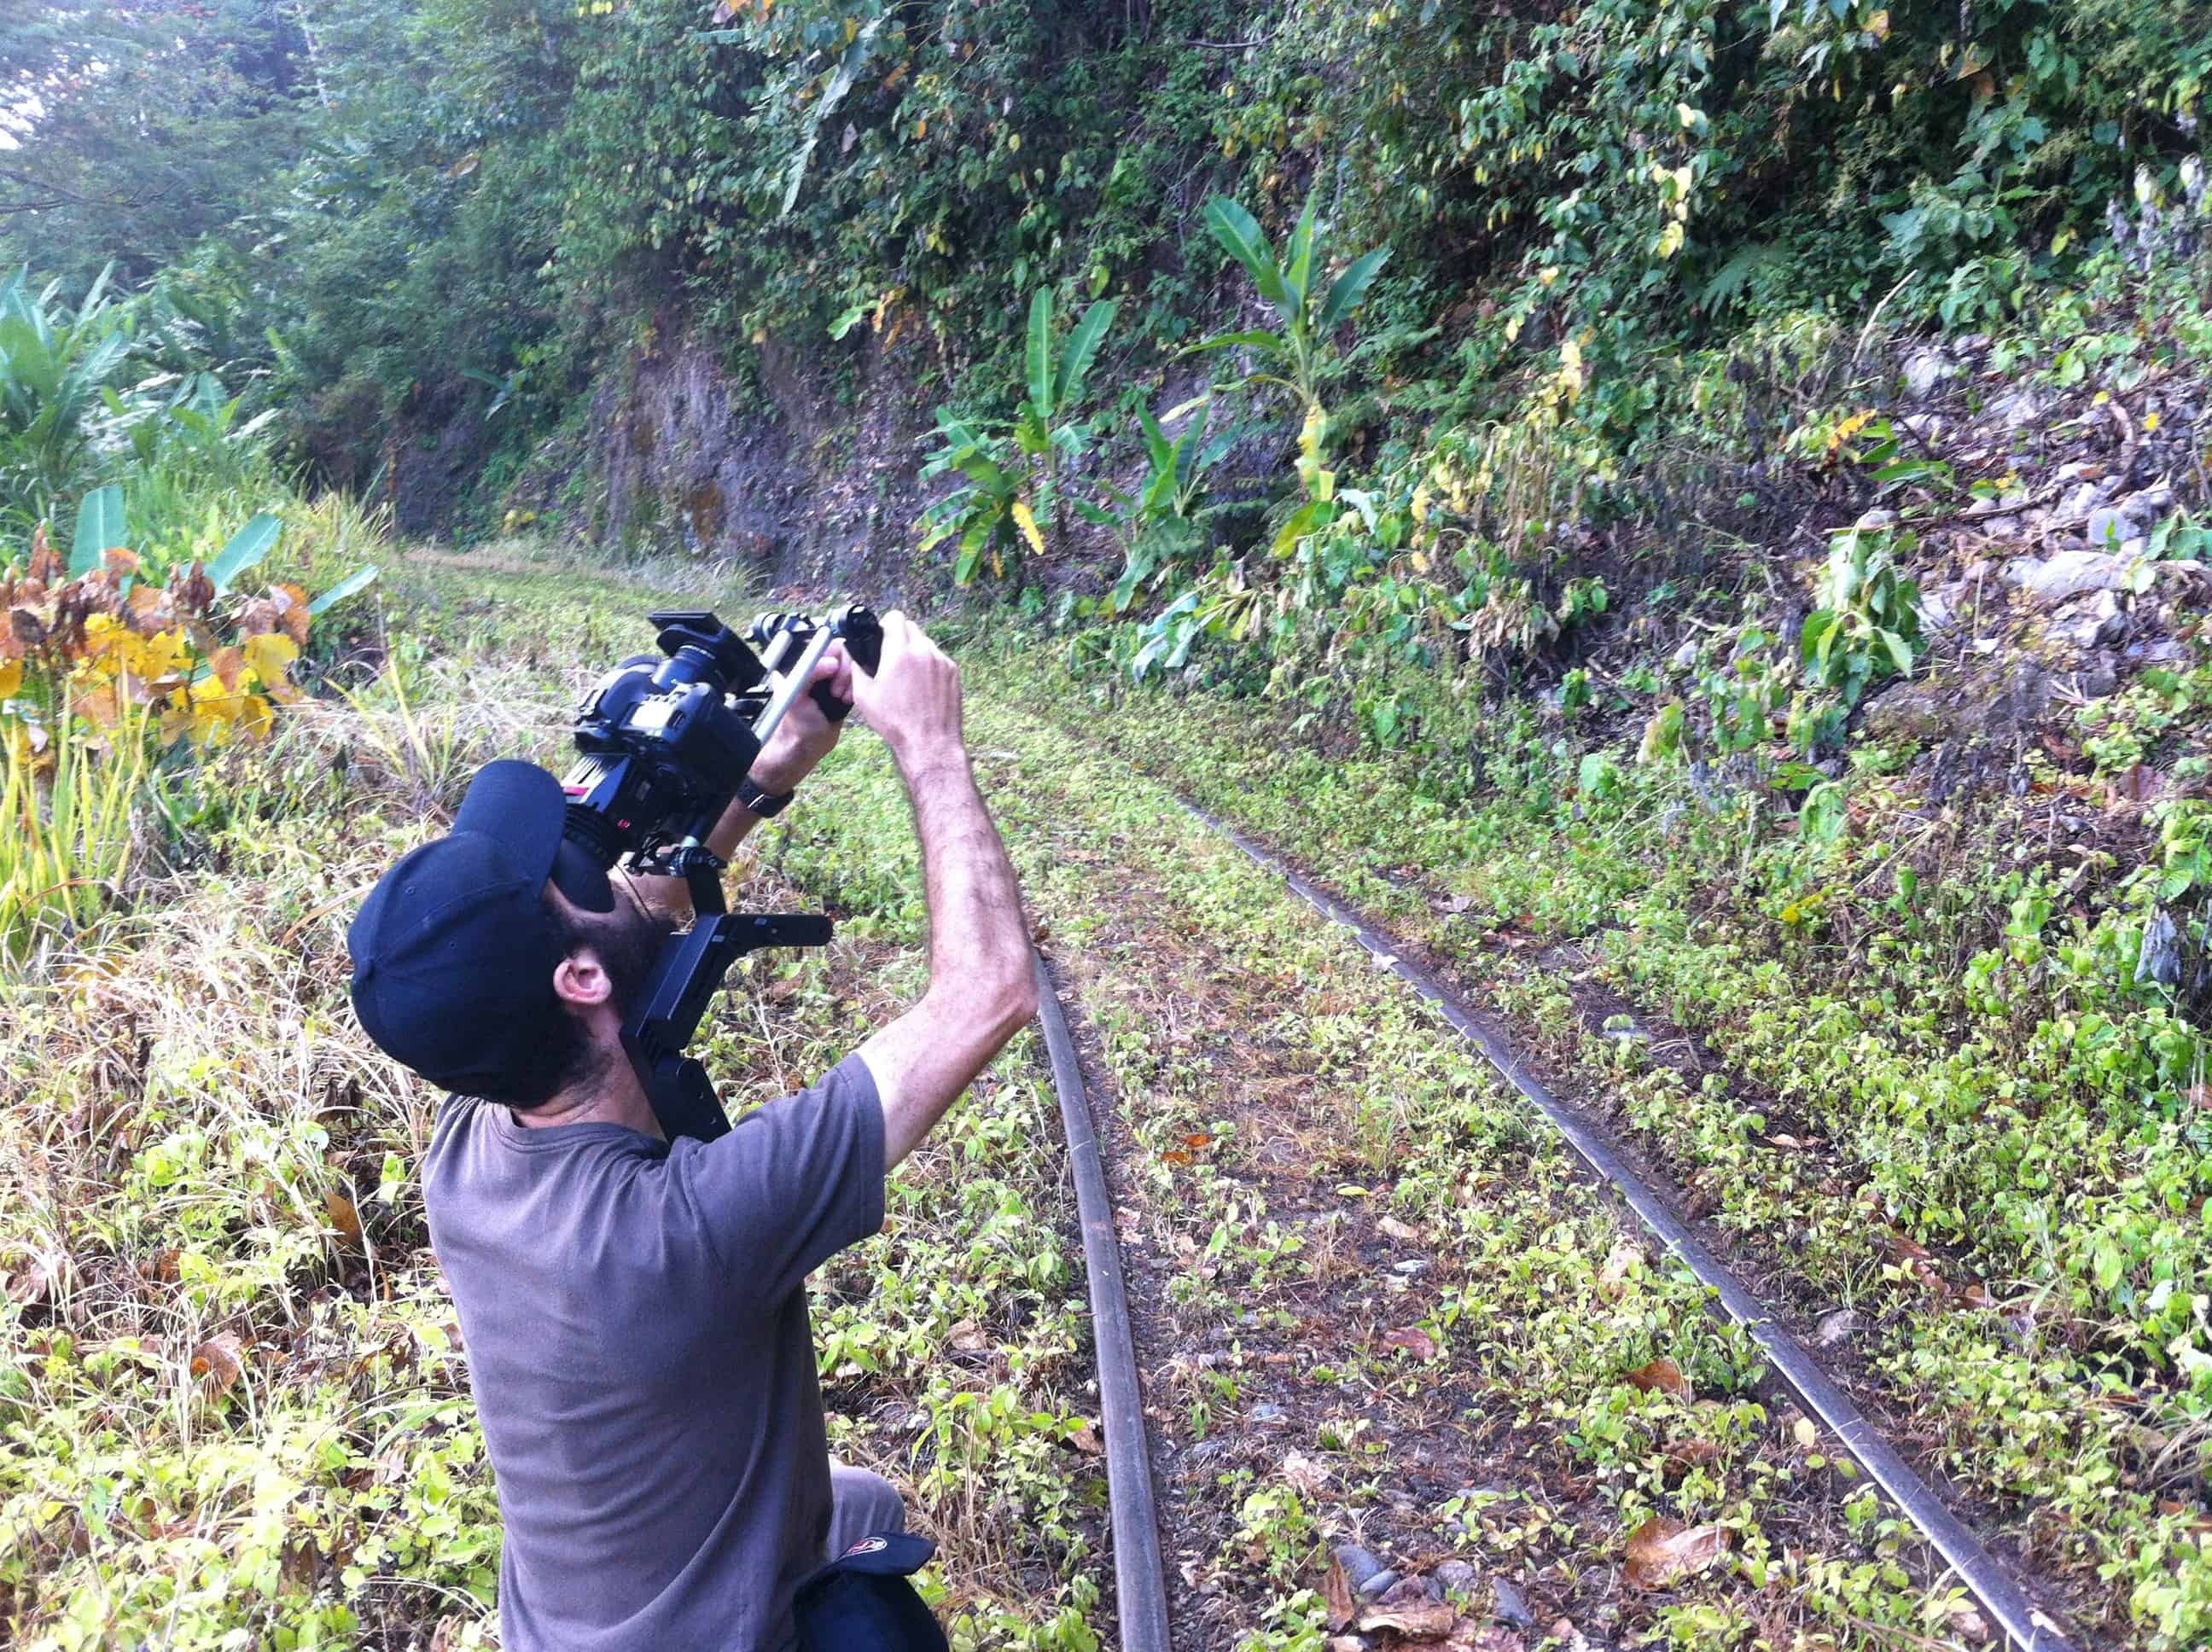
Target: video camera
x,y
663,746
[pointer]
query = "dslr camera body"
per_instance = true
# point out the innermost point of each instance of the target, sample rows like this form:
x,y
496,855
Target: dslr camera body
x,y
663,748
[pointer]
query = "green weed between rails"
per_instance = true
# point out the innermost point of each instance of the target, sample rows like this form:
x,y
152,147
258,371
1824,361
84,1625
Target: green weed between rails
x,y
1980,1070
234,1400
1500,1393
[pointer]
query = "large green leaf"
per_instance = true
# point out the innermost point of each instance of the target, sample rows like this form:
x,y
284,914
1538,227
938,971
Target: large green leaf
x,y
245,549
1040,352
1239,231
1298,275
1350,287
354,583
1082,349
1308,517
1267,341
99,527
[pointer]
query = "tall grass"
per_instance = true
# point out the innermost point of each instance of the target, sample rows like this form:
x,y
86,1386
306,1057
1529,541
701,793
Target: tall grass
x,y
68,828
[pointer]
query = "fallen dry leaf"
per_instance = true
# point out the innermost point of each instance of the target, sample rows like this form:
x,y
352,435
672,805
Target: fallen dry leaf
x,y
1406,1608
1662,1375
1085,1435
1473,1635
968,1338
1414,1340
32,1281
1662,1551
1336,1588
1305,1475
344,1216
1397,1230
1685,1454
219,1362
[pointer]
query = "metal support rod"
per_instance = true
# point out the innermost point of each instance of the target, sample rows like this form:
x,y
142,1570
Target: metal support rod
x,y
792,683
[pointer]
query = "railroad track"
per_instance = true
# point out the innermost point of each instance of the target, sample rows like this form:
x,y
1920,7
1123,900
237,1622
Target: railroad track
x,y
1142,1598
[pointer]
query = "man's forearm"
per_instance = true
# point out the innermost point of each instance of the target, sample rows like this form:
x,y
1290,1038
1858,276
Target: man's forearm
x,y
980,990
976,931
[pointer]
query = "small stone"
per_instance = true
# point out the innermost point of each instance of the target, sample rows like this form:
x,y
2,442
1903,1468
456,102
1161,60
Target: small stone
x,y
1507,1605
1910,711
1412,1264
2107,527
2067,574
1266,1412
2019,408
2160,960
1881,517
1924,372
2097,678
2079,502
1359,1565
1838,1327
1381,1583
2090,623
1685,657
1458,1577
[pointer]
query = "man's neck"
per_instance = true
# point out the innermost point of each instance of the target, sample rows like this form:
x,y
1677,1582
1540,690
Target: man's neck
x,y
609,1094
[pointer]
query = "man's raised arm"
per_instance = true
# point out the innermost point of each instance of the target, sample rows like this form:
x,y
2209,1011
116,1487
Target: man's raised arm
x,y
980,990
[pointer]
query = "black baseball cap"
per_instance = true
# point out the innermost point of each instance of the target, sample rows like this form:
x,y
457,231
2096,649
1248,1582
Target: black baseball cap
x,y
454,951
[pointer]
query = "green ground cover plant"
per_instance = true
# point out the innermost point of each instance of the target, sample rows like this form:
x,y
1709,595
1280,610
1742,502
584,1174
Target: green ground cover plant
x,y
232,1395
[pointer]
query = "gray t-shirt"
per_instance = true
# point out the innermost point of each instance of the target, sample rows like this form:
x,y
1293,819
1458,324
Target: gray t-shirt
x,y
635,1318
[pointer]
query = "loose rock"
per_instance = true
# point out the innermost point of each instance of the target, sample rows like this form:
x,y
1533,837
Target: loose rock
x,y
2161,957
1458,1577
1361,1566
1838,1327
1508,1607
2069,573
2090,623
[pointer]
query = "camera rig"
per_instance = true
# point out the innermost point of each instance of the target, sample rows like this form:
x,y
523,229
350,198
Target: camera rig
x,y
662,747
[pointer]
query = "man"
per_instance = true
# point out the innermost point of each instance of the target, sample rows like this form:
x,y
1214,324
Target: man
x,y
634,1309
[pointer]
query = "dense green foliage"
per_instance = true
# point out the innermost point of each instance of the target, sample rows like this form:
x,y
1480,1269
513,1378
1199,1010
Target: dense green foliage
x,y
413,191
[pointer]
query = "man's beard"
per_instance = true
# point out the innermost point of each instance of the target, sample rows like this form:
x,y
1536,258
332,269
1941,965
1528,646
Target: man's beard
x,y
629,942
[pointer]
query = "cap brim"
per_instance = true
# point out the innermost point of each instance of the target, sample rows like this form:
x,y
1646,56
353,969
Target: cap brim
x,y
521,807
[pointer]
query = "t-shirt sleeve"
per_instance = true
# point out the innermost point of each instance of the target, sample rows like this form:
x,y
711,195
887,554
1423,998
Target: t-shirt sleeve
x,y
793,1183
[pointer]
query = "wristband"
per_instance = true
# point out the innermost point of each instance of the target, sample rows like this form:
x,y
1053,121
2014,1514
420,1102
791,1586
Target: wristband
x,y
766,805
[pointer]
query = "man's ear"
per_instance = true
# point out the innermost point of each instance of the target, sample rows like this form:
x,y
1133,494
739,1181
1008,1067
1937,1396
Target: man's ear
x,y
581,980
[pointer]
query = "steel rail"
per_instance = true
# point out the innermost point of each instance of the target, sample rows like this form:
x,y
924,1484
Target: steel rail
x,y
1139,1577
2027,1626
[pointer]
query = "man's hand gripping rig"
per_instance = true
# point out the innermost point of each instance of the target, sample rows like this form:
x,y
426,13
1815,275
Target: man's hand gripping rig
x,y
664,746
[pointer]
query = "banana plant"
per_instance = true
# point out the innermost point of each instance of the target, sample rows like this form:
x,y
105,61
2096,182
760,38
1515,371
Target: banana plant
x,y
1310,314
1011,471
1296,351
1159,521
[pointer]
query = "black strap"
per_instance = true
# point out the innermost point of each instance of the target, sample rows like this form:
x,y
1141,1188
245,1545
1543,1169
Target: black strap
x,y
766,805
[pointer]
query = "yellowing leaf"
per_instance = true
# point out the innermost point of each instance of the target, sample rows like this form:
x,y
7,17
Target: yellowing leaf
x,y
227,664
11,678
1027,524
270,656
